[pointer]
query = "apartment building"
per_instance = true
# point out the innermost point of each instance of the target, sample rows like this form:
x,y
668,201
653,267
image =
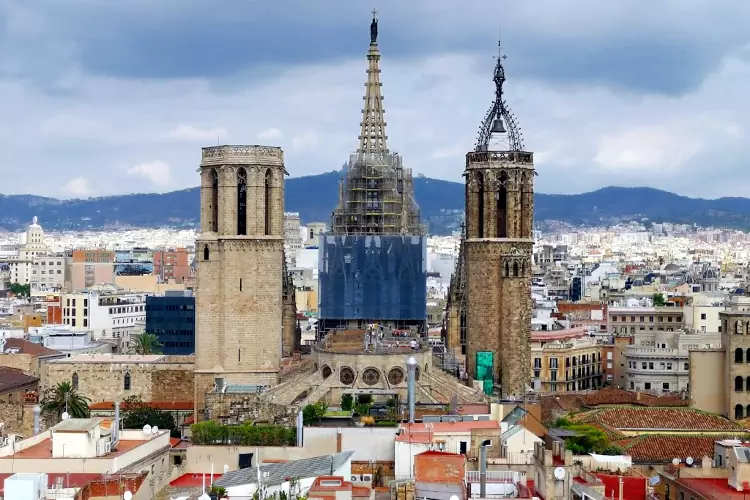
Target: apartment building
x,y
87,268
47,272
659,361
20,265
624,321
172,264
107,311
566,360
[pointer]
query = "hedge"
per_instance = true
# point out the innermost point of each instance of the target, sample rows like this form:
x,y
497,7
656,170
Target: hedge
x,y
247,434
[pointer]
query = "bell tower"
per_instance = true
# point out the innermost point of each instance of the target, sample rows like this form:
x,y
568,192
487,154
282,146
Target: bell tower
x,y
497,250
240,274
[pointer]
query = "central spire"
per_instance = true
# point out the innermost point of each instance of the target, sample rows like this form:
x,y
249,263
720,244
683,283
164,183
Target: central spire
x,y
372,138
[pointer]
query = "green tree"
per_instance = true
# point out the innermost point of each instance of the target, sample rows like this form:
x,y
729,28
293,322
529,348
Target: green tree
x,y
313,413
19,289
658,299
136,414
346,402
62,396
145,343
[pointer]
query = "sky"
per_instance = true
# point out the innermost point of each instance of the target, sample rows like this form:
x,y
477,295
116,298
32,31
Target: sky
x,y
105,97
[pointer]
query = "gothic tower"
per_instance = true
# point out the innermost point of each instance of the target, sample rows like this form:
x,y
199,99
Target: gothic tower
x,y
498,246
240,268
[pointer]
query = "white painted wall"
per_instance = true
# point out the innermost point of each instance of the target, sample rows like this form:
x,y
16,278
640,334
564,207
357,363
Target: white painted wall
x,y
367,443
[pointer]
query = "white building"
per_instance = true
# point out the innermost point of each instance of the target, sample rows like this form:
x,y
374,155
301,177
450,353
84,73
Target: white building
x,y
659,361
20,265
47,272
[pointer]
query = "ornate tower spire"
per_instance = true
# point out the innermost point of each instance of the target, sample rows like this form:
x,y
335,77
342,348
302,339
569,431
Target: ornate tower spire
x,y
372,138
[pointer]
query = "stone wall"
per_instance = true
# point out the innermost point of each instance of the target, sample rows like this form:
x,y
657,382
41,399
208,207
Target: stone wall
x,y
100,382
237,408
18,419
24,362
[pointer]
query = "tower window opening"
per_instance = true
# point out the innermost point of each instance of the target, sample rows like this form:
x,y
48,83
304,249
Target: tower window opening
x,y
242,202
205,252
267,203
502,207
515,269
480,205
524,209
240,284
126,382
214,225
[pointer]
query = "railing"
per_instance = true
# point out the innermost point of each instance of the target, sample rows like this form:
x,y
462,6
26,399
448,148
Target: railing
x,y
505,457
497,476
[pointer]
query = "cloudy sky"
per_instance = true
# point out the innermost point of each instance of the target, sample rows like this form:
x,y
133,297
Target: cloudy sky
x,y
101,97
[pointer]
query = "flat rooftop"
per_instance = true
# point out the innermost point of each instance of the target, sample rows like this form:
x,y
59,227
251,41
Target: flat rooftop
x,y
353,342
111,358
44,450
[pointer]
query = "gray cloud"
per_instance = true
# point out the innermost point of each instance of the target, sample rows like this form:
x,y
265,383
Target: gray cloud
x,y
99,96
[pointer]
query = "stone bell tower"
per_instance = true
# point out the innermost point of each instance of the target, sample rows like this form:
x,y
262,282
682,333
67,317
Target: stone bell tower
x,y
498,247
239,277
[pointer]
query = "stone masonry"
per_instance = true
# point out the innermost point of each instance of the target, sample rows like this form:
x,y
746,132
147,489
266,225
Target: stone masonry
x,y
239,278
498,246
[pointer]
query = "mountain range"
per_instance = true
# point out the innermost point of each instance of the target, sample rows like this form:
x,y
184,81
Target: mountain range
x,y
315,196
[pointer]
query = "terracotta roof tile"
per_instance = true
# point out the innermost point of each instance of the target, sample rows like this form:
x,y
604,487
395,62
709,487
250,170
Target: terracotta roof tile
x,y
674,419
664,448
26,347
12,378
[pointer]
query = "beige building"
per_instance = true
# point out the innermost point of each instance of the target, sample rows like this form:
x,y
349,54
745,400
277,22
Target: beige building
x,y
21,265
47,272
240,268
87,268
110,377
659,361
567,360
625,321
149,284
720,378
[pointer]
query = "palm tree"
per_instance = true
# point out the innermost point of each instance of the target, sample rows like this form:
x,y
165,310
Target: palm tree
x,y
64,398
145,343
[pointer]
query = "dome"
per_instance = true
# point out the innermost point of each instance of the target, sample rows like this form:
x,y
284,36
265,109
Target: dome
x,y
691,279
34,223
671,267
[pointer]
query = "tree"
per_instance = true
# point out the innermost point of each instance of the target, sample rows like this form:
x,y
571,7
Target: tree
x,y
347,401
145,343
63,398
136,414
19,289
313,413
658,299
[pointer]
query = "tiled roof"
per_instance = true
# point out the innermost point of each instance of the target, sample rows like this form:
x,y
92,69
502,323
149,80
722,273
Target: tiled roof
x,y
664,448
674,419
26,347
612,434
12,378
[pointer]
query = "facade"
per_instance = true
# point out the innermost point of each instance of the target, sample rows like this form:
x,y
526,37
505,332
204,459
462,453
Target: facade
x,y
566,361
20,265
15,384
625,321
106,311
172,264
292,237
659,361
372,265
47,272
172,319
240,268
87,268
498,246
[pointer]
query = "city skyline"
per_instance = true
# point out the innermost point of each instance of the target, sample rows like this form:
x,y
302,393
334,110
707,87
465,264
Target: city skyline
x,y
605,98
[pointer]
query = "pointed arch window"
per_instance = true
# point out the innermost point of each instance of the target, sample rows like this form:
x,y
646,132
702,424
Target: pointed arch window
x,y
206,253
214,200
267,202
515,269
241,201
74,381
502,206
524,208
126,381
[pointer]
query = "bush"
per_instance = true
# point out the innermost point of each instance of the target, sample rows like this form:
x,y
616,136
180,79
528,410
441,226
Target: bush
x,y
386,423
347,402
313,413
211,433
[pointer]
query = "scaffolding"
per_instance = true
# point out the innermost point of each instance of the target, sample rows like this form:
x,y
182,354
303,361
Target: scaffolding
x,y
376,197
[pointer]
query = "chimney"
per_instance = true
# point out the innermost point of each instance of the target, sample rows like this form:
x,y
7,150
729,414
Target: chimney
x,y
300,429
411,368
37,420
116,426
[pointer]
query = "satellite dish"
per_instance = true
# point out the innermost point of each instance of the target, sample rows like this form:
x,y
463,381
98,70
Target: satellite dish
x,y
65,415
559,473
689,460
154,430
675,462
127,495
147,429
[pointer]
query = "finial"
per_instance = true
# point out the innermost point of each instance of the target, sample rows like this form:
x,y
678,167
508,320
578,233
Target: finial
x,y
374,27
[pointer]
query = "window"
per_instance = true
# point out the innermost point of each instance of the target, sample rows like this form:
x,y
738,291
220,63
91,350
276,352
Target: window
x,y
267,203
738,355
74,381
687,366
502,206
647,386
703,315
665,386
214,204
643,365
241,201
537,362
738,384
669,366
650,365
126,381
205,252
737,412
662,366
